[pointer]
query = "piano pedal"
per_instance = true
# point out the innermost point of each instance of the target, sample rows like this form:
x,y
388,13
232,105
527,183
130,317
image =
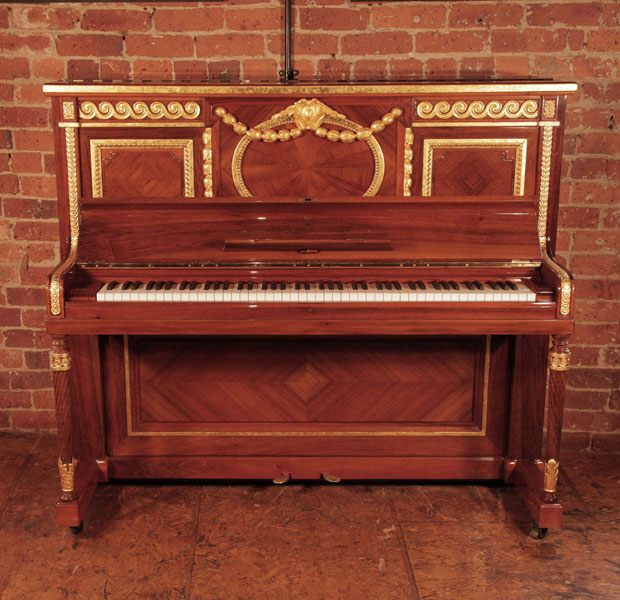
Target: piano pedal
x,y
330,478
281,479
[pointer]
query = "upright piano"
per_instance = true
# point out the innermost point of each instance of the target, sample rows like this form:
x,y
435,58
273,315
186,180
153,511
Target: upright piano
x,y
309,280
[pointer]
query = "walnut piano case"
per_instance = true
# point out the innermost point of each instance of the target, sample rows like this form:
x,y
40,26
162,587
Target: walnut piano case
x,y
312,280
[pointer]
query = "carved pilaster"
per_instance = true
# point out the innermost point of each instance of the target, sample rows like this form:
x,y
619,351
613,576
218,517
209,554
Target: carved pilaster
x,y
559,360
60,361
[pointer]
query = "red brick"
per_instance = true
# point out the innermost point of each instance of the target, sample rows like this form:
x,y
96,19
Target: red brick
x,y
28,420
586,399
574,441
4,17
37,360
26,208
14,68
588,168
579,217
511,67
26,162
116,20
602,312
34,318
21,296
599,289
611,357
599,240
230,44
591,421
4,420
579,15
551,66
207,18
611,15
430,42
529,40
225,70
22,116
49,164
44,252
87,44
370,69
402,16
576,40
159,46
585,356
406,68
48,68
10,252
593,192
600,142
5,380
11,359
494,14
477,67
593,66
24,43
260,68
600,333
33,140
42,340
440,68
606,442
43,399
612,218
603,40
31,93
115,69
33,230
7,92
45,17
15,399
614,400
29,275
257,19
306,43
9,183
396,42
30,380
191,69
18,338
83,69
326,19
42,186
152,69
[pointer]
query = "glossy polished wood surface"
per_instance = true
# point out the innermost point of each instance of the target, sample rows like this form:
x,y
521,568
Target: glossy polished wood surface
x,y
400,182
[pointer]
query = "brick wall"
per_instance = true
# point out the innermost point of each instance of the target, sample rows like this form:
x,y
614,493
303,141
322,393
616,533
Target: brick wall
x,y
334,40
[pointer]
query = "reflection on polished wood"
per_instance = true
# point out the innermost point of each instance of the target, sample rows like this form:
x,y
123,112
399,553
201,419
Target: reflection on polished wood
x,y
450,187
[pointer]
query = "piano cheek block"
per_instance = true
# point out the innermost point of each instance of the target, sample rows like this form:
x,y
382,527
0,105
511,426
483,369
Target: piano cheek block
x,y
392,325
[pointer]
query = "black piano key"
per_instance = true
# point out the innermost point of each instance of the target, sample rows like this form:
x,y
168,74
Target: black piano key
x,y
264,285
226,285
283,286
307,286
421,285
397,285
159,285
136,285
250,286
493,285
126,285
444,285
150,285
297,285
111,285
478,285
512,285
339,285
330,285
208,285
387,285
378,285
321,286
454,285
354,285
193,285
217,286
240,285
469,285
273,285
502,285
183,285
364,285
411,285
436,285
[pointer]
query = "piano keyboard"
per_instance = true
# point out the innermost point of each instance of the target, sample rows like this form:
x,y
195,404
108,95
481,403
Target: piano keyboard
x,y
315,292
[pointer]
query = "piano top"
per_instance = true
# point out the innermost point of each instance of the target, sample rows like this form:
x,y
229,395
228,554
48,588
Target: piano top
x,y
278,88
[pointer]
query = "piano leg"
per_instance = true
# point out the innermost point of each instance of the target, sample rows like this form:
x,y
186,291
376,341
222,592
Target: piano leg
x,y
559,359
78,479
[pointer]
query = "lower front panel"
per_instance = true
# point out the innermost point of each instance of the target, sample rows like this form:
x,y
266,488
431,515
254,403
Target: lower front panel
x,y
208,407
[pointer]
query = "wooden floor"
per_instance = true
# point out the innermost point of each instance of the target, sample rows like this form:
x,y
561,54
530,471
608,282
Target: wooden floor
x,y
317,541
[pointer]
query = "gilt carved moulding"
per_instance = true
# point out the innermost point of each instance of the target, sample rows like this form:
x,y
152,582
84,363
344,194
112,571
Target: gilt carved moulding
x,y
512,109
139,110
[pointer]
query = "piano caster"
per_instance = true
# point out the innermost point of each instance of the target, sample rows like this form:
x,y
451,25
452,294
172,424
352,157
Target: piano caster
x,y
75,529
282,478
538,533
330,478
